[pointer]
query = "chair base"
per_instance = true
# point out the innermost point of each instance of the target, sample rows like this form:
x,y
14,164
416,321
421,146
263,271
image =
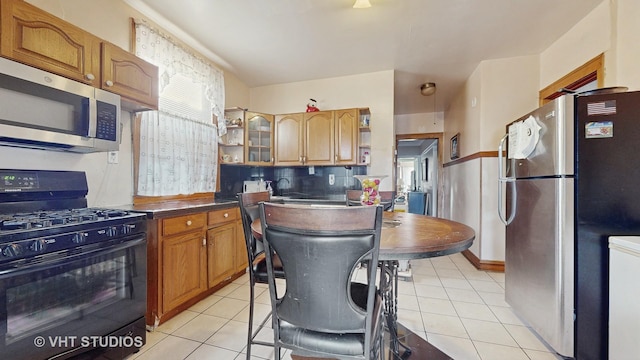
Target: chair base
x,y
420,348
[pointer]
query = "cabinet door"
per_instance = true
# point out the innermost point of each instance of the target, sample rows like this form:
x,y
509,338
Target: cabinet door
x,y
34,37
242,259
183,268
129,76
221,253
289,140
346,136
319,138
259,139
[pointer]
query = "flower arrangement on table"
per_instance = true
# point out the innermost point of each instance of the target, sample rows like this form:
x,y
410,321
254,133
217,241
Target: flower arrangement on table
x,y
370,183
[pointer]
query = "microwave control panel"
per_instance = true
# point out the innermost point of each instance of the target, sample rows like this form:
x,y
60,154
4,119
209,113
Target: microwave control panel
x,y
107,124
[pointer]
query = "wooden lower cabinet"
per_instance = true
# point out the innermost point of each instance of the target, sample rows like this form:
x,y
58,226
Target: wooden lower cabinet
x,y
242,259
184,269
221,249
189,258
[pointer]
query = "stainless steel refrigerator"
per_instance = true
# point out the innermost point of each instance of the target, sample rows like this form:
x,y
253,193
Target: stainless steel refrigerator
x,y
571,179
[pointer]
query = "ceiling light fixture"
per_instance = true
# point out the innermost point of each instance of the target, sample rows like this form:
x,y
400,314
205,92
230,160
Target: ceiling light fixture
x,y
428,89
361,4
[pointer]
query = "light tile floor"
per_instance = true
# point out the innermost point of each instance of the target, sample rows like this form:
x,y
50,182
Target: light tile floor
x,y
456,307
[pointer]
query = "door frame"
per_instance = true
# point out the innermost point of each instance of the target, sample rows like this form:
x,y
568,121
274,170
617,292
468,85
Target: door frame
x,y
424,136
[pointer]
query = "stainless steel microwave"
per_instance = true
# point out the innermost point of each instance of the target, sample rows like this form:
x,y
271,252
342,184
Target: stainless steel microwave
x,y
46,111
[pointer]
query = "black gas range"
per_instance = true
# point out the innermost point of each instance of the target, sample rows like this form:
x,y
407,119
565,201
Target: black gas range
x,y
66,269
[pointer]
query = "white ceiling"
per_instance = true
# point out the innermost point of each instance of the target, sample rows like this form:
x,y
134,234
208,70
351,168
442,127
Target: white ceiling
x,y
267,42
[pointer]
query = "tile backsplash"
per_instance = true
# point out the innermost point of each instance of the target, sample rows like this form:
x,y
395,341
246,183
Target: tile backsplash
x,y
292,181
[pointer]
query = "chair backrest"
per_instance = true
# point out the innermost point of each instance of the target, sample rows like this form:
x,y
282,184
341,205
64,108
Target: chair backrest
x,y
386,198
319,249
353,197
249,211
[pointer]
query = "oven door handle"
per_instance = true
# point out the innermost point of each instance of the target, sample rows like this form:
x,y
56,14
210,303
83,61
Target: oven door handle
x,y
57,260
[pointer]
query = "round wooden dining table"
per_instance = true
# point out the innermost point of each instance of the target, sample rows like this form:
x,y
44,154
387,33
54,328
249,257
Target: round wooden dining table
x,y
407,236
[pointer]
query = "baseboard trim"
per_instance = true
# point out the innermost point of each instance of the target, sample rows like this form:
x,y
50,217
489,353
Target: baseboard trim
x,y
483,265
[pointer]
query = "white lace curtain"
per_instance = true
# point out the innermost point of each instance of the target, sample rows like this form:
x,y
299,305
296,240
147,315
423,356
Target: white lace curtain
x,y
178,149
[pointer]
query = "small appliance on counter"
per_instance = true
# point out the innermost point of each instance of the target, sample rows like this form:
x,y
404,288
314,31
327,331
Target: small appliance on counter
x,y
255,186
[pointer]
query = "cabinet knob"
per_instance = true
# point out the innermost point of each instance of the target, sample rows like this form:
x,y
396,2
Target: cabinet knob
x,y
226,215
90,77
109,83
189,223
204,241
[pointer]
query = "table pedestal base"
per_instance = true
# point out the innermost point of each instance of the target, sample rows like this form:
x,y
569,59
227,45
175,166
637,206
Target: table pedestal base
x,y
420,348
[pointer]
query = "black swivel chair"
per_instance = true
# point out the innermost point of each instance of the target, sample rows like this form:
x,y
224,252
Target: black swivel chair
x,y
323,313
257,262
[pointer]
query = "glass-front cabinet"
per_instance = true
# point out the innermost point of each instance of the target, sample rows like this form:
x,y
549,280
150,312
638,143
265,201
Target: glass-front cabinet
x,y
231,146
258,139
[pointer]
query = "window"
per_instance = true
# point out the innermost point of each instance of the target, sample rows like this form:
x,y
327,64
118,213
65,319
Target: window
x,y
176,146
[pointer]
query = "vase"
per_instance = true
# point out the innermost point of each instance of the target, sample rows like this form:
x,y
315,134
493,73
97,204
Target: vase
x,y
370,194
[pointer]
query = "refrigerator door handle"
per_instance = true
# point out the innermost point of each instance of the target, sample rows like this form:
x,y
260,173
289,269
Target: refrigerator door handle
x,y
509,181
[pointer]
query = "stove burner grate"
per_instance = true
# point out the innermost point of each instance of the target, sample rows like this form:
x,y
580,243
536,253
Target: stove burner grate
x,y
45,219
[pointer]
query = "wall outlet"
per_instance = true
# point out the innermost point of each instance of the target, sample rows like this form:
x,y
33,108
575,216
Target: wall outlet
x,y
112,157
332,179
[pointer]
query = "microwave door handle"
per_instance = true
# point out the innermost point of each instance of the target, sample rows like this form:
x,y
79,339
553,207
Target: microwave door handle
x,y
93,116
509,181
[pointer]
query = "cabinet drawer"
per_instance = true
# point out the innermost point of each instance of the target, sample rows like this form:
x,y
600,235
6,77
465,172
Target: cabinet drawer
x,y
221,216
181,224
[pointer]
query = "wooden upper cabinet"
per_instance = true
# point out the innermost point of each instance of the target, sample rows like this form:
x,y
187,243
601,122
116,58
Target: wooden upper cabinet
x,y
318,138
289,142
346,136
129,76
34,37
37,38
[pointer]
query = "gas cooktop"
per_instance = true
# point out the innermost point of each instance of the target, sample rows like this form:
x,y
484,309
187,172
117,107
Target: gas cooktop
x,y
52,218
44,211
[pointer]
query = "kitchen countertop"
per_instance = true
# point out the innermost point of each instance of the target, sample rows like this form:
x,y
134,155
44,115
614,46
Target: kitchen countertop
x,y
180,207
183,207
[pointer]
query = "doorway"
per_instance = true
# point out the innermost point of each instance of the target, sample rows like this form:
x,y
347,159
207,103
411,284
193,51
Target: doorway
x,y
419,169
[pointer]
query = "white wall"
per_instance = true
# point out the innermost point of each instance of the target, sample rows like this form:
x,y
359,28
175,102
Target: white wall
x,y
462,196
498,92
508,91
371,90
626,43
584,41
419,123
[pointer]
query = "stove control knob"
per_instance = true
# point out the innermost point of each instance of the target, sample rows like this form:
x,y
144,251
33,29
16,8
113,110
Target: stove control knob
x,y
79,238
38,245
12,250
112,231
126,229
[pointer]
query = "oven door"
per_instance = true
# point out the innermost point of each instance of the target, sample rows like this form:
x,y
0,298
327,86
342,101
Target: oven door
x,y
72,301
